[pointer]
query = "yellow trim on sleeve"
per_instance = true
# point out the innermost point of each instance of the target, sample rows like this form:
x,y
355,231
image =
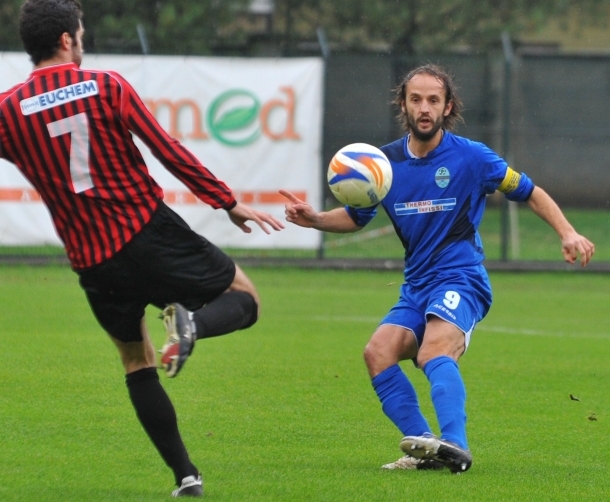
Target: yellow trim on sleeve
x,y
510,181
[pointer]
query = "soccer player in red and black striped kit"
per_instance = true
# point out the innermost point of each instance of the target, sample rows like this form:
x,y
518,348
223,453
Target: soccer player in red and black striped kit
x,y
69,131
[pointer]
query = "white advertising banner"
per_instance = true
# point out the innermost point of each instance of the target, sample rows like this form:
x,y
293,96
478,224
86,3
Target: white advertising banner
x,y
255,123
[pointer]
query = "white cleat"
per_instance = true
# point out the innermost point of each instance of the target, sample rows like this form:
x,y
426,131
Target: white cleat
x,y
408,463
191,487
181,337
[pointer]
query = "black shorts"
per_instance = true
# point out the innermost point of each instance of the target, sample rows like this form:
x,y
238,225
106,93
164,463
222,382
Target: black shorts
x,y
166,262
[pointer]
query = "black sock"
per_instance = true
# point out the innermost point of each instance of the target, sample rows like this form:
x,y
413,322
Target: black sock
x,y
227,313
158,417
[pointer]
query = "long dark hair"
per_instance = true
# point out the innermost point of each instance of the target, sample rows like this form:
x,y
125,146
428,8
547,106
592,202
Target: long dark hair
x,y
42,22
446,79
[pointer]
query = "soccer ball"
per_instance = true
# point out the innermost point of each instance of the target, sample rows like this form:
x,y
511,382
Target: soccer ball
x,y
359,175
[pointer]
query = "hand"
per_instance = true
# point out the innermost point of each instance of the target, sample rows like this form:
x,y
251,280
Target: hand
x,y
242,213
573,244
298,211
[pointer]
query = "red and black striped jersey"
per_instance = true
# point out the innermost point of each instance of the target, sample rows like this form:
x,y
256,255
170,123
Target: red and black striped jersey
x,y
68,131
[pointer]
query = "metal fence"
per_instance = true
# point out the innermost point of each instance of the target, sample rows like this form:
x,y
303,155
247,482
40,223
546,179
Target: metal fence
x,y
559,113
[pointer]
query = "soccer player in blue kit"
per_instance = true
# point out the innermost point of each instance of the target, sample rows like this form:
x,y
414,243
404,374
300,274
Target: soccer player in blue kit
x,y
436,203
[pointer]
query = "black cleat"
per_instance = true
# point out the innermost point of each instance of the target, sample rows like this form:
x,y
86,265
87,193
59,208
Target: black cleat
x,y
430,447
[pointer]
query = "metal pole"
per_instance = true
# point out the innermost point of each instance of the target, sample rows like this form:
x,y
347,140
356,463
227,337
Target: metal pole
x,y
504,216
324,49
321,34
143,38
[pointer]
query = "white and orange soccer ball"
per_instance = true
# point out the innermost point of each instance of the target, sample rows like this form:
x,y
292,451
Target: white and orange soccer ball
x,y
359,175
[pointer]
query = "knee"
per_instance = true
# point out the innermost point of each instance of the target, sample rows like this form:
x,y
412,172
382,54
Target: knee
x,y
426,354
422,359
242,283
388,346
368,354
136,358
431,351
250,307
375,356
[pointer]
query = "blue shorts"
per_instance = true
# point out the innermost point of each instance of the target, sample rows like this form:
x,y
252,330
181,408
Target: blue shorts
x,y
461,297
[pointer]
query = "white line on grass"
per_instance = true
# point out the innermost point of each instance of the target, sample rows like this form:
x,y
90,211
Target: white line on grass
x,y
342,318
493,329
535,332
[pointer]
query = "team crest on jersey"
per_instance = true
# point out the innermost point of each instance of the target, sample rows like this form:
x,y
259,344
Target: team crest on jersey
x,y
442,177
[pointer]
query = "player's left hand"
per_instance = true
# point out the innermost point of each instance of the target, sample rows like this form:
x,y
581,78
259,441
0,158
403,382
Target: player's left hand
x,y
575,244
242,213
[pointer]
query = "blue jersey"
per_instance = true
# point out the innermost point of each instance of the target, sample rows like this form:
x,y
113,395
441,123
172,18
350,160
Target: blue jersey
x,y
436,203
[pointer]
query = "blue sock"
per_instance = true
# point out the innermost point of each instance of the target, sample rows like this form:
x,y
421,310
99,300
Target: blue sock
x,y
449,398
399,401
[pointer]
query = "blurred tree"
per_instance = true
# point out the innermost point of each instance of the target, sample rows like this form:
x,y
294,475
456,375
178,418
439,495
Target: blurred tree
x,y
9,36
417,25
294,15
171,26
411,26
398,26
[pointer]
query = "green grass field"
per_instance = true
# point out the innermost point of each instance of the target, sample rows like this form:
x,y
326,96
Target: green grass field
x,y
284,411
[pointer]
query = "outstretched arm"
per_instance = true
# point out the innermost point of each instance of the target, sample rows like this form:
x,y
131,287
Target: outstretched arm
x,y
302,214
572,243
